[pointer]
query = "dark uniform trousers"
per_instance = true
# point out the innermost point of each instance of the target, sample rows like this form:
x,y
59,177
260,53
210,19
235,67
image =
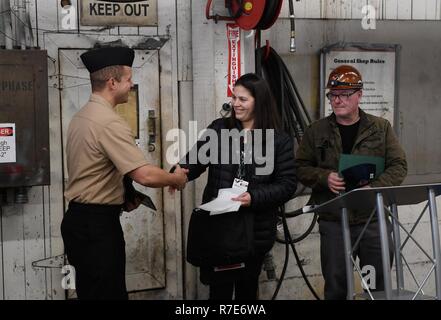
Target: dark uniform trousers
x,y
95,247
333,260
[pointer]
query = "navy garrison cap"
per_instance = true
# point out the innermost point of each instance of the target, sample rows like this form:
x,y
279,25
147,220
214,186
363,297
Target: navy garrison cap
x,y
97,59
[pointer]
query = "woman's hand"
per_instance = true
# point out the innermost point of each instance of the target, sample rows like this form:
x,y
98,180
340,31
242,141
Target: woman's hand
x,y
244,198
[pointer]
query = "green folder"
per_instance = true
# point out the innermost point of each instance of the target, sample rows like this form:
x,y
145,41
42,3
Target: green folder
x,y
351,160
359,170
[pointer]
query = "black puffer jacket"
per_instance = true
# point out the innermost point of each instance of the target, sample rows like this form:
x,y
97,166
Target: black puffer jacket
x,y
251,231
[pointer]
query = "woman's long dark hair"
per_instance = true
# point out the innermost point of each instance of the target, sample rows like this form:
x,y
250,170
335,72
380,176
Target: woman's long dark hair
x,y
265,112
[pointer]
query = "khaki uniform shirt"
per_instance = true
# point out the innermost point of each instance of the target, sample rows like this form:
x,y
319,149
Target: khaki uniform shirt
x,y
100,150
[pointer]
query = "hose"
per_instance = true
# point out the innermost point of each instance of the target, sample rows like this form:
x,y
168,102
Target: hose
x,y
289,243
292,43
295,119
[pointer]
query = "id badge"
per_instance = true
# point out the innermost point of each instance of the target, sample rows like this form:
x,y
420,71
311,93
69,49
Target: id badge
x,y
240,184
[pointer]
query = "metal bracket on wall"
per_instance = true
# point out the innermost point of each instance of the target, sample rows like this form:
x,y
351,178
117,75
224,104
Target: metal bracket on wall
x,y
52,262
146,43
151,43
151,128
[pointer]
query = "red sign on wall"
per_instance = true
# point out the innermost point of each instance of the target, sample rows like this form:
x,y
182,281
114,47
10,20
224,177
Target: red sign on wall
x,y
233,35
6,132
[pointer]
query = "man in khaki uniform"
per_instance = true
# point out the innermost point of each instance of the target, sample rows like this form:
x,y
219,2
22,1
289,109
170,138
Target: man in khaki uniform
x,y
347,130
100,151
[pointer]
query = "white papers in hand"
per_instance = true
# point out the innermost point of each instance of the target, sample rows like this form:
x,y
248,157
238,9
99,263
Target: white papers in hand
x,y
223,202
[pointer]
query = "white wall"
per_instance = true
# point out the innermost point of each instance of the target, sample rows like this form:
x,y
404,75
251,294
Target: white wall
x,y
352,9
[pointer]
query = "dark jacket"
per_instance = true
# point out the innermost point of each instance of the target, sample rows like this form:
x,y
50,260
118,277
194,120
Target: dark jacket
x,y
251,231
319,153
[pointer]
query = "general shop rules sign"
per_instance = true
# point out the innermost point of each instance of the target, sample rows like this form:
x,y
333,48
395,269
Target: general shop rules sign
x,y
7,143
378,70
119,12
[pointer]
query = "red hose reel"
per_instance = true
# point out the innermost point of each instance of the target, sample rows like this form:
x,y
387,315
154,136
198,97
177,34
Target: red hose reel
x,y
250,14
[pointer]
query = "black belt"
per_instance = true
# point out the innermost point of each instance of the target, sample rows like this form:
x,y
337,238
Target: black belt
x,y
88,208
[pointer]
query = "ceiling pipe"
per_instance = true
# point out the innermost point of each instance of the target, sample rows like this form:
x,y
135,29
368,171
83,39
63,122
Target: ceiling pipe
x,y
18,16
7,27
21,29
29,34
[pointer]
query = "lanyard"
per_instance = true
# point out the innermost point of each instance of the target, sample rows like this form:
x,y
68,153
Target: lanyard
x,y
241,170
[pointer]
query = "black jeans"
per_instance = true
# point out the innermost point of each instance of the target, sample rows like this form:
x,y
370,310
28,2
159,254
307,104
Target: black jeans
x,y
95,247
245,289
333,260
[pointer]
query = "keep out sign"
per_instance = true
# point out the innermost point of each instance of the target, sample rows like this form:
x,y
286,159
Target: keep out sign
x,y
119,12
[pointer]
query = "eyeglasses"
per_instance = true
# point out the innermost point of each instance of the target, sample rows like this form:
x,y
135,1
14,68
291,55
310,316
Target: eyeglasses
x,y
342,96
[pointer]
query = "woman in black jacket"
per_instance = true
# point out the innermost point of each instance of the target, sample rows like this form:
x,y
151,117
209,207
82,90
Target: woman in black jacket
x,y
230,247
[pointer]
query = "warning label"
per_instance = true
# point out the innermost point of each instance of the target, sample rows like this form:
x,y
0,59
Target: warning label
x,y
7,143
5,132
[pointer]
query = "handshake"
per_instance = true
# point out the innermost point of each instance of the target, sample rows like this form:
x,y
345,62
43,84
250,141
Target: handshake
x,y
179,178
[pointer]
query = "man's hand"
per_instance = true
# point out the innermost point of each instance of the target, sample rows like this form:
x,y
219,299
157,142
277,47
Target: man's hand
x,y
244,198
181,179
335,183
